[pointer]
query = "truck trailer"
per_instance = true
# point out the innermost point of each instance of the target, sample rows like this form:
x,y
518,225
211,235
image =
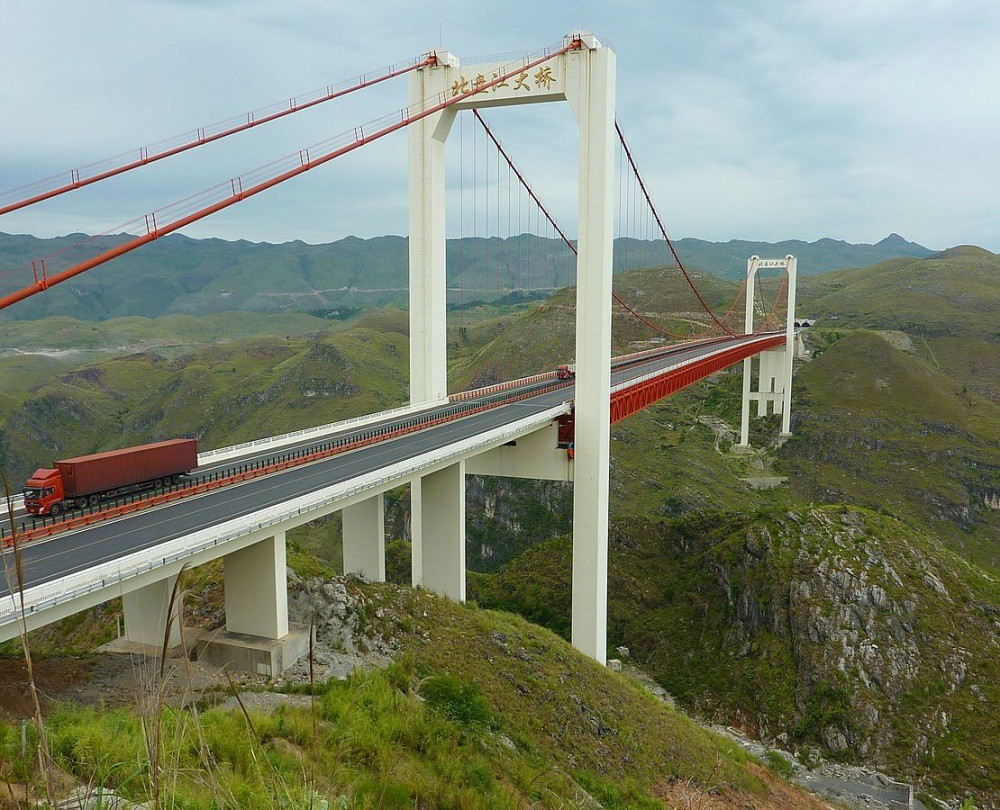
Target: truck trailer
x,y
87,480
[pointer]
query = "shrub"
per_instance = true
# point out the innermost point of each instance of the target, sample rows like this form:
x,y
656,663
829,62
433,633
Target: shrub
x,y
779,764
458,700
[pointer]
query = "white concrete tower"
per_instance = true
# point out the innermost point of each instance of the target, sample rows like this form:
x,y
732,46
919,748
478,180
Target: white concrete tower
x,y
428,283
585,77
774,374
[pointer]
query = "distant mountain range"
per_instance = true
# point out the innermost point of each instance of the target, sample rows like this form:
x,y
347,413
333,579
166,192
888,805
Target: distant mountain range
x,y
178,274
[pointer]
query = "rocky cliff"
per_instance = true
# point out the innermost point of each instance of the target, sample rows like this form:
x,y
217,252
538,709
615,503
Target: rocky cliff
x,y
839,632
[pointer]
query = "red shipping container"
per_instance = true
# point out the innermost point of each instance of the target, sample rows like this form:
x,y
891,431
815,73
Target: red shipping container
x,y
130,465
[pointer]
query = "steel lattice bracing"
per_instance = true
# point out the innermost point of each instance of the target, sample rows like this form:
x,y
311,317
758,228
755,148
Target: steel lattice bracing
x,y
634,398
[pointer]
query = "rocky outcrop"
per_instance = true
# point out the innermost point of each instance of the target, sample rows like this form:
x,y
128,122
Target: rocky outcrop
x,y
878,630
334,610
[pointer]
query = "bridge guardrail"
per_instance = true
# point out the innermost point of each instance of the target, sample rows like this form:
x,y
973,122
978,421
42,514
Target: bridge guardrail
x,y
210,481
666,369
235,450
504,386
74,586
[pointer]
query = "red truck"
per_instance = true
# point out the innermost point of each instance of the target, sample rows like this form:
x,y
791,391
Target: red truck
x,y
567,371
86,480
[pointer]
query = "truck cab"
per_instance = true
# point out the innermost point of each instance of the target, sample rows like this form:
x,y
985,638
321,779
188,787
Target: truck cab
x,y
44,493
567,371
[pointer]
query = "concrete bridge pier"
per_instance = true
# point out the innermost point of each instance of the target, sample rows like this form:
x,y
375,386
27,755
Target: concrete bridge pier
x,y
437,514
771,382
257,637
256,589
146,616
364,538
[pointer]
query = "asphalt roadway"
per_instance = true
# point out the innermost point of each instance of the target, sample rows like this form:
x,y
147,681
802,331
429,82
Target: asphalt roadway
x,y
61,555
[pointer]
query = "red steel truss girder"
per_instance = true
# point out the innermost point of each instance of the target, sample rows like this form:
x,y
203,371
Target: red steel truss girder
x,y
628,401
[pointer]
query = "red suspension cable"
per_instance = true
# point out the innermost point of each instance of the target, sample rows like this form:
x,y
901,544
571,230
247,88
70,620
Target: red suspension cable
x,y
663,231
198,137
562,234
239,192
769,321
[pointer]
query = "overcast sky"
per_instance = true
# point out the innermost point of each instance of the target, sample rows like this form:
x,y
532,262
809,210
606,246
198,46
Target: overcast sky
x,y
751,119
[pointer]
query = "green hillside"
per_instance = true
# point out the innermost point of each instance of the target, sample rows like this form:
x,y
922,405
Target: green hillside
x,y
476,710
170,334
179,275
878,427
953,293
220,394
831,627
947,308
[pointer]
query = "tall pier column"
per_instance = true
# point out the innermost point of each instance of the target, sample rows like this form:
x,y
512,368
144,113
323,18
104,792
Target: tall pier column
x,y
146,617
364,538
256,589
584,76
591,94
437,505
416,533
786,413
752,263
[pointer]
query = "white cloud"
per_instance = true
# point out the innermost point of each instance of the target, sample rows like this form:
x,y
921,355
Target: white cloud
x,y
856,118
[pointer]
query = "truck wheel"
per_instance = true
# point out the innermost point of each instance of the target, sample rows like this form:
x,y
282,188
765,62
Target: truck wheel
x,y
93,500
56,509
158,483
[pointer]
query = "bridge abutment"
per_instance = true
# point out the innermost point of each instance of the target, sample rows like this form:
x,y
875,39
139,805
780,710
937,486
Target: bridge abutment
x,y
257,637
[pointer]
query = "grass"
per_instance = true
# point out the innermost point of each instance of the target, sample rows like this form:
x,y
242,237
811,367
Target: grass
x,y
167,334
951,294
480,709
220,394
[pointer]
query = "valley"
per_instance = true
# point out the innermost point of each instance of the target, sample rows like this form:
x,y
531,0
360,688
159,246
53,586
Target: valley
x,y
850,614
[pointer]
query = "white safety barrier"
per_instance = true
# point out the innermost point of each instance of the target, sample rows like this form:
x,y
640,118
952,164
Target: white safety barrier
x,y
237,450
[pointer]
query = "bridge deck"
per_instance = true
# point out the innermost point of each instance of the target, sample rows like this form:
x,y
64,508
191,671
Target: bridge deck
x,y
105,542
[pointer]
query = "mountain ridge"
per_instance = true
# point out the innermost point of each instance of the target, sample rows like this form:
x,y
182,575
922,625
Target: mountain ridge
x,y
181,275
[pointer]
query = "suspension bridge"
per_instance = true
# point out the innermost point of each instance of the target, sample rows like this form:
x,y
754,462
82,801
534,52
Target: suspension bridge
x,y
553,425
